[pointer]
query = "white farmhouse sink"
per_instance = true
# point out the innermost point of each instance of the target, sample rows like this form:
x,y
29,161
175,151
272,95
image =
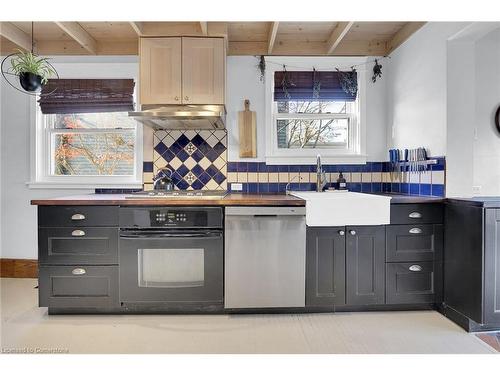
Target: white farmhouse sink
x,y
338,208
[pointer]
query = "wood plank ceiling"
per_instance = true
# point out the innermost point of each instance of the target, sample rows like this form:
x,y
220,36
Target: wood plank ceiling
x,y
243,38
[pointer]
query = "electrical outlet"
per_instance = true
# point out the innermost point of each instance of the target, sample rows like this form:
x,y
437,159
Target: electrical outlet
x,y
236,187
476,190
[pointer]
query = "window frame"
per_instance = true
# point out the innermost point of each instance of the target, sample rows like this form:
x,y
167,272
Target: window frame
x,y
357,132
41,160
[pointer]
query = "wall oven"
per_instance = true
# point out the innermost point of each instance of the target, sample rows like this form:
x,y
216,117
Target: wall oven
x,y
171,256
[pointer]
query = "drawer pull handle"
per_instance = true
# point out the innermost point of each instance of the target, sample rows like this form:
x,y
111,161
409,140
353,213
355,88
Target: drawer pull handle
x,y
353,232
341,233
415,215
415,268
78,233
79,271
415,231
78,217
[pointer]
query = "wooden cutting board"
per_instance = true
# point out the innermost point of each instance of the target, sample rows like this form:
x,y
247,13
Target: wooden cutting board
x,y
248,132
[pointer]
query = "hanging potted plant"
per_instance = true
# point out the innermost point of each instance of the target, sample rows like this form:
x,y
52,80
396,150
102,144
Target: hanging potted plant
x,y
33,71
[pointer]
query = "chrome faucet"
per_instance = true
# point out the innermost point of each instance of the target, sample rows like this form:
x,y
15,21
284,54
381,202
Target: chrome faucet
x,y
320,175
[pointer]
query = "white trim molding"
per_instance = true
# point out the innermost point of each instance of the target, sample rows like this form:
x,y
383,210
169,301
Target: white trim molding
x,y
356,154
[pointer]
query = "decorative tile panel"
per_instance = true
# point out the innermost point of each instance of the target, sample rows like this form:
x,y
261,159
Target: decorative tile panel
x,y
198,158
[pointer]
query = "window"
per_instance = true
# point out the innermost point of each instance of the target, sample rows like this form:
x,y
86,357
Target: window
x,y
314,124
307,118
86,142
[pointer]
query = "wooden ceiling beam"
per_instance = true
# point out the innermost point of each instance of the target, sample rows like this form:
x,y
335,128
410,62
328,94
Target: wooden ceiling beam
x,y
273,31
204,28
137,26
15,35
402,35
80,35
337,35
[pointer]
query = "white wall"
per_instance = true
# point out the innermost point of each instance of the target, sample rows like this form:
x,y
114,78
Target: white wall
x,y
486,143
416,89
18,218
243,82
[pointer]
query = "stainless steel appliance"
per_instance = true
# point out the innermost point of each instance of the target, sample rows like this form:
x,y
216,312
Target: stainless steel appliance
x,y
187,116
265,251
177,194
171,256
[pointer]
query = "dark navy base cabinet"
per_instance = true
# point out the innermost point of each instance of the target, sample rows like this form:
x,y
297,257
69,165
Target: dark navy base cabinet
x,y
472,265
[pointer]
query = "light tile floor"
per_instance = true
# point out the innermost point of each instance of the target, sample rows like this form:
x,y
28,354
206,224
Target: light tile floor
x,y
24,325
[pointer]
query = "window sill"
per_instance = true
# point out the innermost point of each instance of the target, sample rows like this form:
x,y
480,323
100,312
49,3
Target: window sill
x,y
82,186
293,160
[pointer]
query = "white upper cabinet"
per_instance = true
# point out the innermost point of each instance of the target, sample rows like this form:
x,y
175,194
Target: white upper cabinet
x,y
182,70
160,70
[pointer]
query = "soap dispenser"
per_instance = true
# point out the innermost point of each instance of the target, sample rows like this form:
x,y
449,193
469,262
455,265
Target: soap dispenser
x,y
341,182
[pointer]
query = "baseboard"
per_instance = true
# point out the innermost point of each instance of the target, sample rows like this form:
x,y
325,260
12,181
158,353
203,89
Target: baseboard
x,y
19,268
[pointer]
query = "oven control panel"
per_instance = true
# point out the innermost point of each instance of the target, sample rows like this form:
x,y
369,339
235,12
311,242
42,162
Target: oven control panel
x,y
172,217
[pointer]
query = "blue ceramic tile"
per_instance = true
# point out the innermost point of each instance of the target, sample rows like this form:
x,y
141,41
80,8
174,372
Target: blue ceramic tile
x,y
160,148
294,168
197,140
263,188
282,168
253,187
182,155
282,187
438,190
182,141
204,147
404,188
197,155
262,167
204,178
219,178
395,188
272,168
182,185
377,166
242,166
273,187
367,167
425,189
197,185
212,170
376,187
197,170
147,166
182,170
232,166
414,189
312,187
366,187
219,148
294,186
252,167
212,155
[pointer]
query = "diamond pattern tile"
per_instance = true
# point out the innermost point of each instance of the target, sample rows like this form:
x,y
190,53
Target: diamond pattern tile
x,y
199,158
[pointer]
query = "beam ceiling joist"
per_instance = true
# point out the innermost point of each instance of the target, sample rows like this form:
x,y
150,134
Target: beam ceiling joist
x,y
337,35
204,28
137,26
80,35
15,35
273,31
402,35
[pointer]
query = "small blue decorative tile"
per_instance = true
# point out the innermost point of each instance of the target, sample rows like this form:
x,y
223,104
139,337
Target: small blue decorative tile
x,y
182,185
438,190
273,187
242,166
147,166
182,141
253,187
294,168
160,148
232,166
376,187
197,185
219,178
272,168
404,188
282,187
262,167
395,188
282,168
182,170
212,170
366,187
182,155
252,167
263,188
197,170
204,178
414,189
425,189
197,155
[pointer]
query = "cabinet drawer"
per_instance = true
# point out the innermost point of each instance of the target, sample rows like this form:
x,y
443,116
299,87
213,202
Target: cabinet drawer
x,y
410,282
82,216
78,245
78,286
429,213
407,243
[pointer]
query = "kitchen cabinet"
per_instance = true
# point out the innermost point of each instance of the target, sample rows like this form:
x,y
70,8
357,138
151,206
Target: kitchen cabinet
x,y
365,265
345,265
182,70
325,266
472,263
203,70
160,71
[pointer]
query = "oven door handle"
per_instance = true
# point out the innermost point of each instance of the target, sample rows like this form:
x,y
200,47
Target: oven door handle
x,y
167,234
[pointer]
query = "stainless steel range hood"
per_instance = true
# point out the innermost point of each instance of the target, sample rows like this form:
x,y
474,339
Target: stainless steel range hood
x,y
166,117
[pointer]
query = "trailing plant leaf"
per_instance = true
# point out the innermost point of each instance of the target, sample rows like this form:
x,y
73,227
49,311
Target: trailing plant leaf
x,y
377,71
262,68
286,82
27,62
316,85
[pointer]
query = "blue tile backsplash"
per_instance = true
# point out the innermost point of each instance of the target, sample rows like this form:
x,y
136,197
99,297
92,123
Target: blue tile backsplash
x,y
199,161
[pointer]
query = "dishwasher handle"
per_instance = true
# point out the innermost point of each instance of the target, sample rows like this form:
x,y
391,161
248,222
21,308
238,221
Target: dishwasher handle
x,y
261,211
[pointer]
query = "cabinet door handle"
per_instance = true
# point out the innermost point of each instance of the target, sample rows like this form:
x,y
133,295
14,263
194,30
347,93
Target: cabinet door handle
x,y
415,231
78,233
78,217
353,232
341,232
415,268
176,98
79,271
186,98
415,215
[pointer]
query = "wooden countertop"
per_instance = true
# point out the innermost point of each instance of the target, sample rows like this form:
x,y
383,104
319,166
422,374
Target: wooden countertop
x,y
232,199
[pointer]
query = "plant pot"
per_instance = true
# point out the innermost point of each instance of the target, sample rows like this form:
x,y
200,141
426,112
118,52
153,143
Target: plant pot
x,y
30,82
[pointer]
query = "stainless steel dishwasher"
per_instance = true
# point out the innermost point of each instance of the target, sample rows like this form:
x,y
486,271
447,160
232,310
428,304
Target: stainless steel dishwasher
x,y
265,253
